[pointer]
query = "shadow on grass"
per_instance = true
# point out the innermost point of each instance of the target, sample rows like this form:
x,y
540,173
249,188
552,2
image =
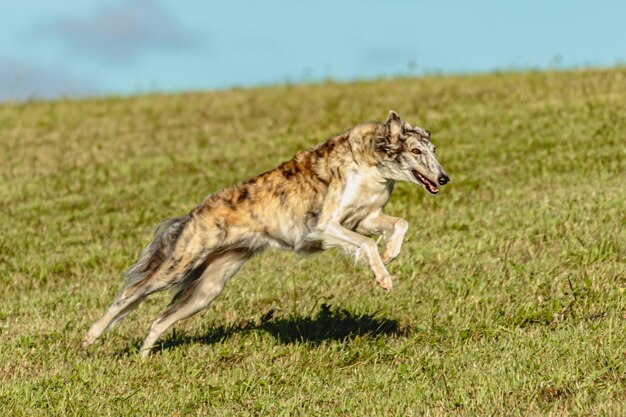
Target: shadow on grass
x,y
327,324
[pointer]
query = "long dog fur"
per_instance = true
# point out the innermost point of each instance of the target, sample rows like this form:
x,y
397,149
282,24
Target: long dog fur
x,y
328,196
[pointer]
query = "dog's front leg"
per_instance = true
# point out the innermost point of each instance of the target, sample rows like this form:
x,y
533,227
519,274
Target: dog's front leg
x,y
394,244
392,228
333,234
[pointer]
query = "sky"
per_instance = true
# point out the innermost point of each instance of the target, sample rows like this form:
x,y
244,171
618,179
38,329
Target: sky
x,y
74,48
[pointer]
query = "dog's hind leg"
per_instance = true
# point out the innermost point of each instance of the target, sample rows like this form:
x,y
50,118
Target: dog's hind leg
x,y
197,292
164,263
127,300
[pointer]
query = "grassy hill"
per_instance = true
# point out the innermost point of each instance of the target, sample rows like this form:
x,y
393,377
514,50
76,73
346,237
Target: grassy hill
x,y
509,293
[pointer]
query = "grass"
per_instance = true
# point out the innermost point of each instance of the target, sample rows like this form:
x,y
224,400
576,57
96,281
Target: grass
x,y
509,292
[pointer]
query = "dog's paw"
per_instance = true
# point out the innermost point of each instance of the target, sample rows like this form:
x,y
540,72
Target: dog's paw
x,y
88,341
387,256
385,282
390,253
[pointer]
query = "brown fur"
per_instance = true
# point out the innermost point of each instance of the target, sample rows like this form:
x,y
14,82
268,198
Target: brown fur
x,y
328,196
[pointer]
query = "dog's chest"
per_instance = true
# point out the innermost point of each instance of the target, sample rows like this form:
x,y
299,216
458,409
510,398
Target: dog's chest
x,y
362,198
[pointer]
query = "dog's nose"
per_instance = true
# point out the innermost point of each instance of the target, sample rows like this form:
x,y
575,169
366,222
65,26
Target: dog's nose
x,y
443,179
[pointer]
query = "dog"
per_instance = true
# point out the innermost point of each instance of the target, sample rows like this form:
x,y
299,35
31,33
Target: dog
x,y
332,195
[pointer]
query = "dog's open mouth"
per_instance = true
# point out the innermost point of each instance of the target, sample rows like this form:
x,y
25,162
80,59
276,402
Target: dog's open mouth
x,y
430,186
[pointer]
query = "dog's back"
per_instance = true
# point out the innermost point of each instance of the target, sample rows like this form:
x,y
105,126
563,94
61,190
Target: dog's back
x,y
280,207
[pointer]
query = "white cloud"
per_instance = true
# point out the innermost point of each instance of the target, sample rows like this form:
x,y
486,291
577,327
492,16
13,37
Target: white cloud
x,y
122,32
21,81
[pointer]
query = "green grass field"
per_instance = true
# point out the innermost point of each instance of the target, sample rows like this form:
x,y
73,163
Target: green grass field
x,y
509,292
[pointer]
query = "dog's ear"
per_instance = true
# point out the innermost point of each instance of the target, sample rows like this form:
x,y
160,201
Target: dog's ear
x,y
395,126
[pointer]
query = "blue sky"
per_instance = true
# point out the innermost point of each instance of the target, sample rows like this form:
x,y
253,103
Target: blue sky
x,y
82,48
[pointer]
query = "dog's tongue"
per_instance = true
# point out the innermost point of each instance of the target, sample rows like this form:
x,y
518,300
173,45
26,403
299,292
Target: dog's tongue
x,y
431,187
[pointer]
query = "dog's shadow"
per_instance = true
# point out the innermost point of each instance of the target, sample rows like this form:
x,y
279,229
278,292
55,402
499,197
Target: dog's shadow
x,y
326,325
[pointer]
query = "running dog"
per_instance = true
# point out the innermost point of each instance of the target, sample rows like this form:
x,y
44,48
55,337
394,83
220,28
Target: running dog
x,y
329,196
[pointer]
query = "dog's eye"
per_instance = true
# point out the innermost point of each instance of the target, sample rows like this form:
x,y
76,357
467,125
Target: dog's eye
x,y
416,151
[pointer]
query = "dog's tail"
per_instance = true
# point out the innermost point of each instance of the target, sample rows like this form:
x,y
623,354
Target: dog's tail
x,y
161,248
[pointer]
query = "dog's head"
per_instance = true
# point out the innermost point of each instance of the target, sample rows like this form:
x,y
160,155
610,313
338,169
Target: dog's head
x,y
409,155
